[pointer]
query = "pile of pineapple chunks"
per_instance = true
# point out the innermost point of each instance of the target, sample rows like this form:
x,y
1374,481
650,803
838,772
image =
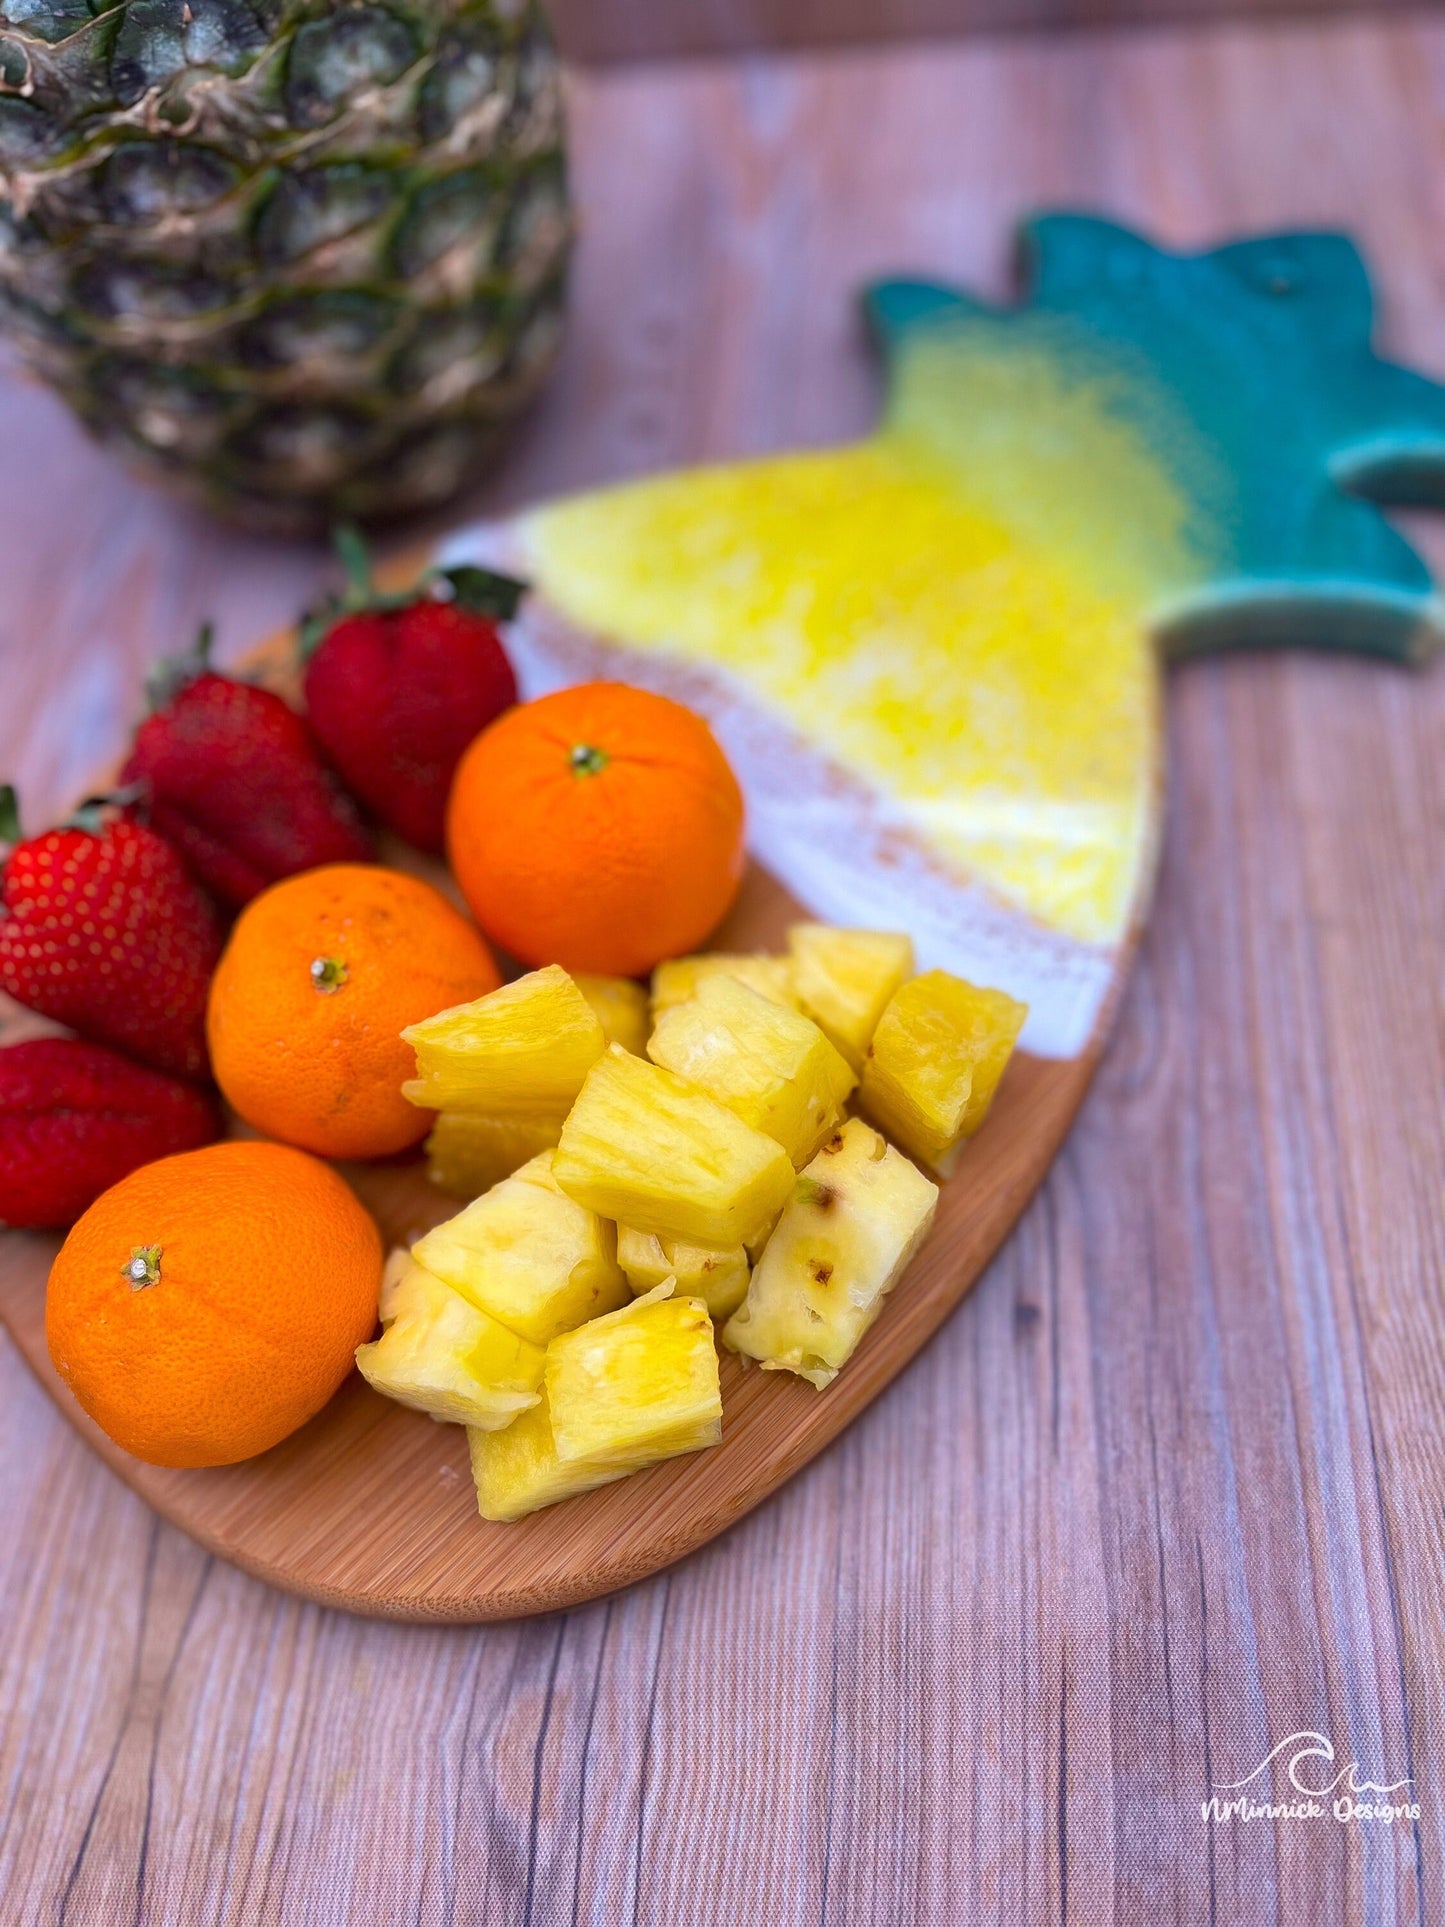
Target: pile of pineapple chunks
x,y
642,1168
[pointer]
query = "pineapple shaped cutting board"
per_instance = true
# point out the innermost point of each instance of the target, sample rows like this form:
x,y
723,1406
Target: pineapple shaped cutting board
x,y
933,657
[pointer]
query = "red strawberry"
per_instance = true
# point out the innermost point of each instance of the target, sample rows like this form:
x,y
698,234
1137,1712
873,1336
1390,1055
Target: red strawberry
x,y
233,779
76,1119
397,686
105,932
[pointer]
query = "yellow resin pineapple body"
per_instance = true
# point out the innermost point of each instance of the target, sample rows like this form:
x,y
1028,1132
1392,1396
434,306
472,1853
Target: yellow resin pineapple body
x,y
678,979
935,1061
529,1255
718,1278
769,1064
620,1393
857,1215
523,1050
844,979
645,1148
441,1355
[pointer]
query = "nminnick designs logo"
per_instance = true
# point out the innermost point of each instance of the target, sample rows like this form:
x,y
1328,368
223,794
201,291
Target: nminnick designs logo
x,y
1345,1797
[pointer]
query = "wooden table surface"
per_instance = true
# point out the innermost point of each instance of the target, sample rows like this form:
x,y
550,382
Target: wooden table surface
x,y
1169,1488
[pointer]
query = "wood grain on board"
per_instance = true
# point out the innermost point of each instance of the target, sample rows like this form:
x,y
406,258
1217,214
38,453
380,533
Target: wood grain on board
x,y
614,30
1167,1488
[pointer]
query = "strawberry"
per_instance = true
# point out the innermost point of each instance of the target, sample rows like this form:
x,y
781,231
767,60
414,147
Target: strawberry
x,y
76,1119
232,778
104,931
398,685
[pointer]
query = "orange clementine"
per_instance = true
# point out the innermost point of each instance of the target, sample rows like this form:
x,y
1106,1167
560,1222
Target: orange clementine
x,y
210,1303
600,828
322,974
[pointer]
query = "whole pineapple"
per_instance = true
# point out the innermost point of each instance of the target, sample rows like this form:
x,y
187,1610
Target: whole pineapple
x,y
300,258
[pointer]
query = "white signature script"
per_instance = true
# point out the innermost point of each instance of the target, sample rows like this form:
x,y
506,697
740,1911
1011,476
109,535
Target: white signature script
x,y
1310,1756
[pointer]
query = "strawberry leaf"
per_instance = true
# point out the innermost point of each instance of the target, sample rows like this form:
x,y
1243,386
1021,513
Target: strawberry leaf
x,y
484,592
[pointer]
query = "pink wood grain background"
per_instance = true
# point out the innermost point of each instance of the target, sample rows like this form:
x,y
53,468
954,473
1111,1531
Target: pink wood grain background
x,y
1168,1487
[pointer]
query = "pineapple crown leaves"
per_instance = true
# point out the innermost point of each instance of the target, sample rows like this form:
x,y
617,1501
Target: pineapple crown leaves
x,y
1248,377
480,592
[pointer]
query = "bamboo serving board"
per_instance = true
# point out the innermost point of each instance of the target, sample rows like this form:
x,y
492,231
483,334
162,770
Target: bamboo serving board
x,y
371,1506
1150,449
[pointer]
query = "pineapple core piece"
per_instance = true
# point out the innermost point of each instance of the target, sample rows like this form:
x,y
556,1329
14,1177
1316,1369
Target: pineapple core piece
x,y
719,1278
844,979
528,1255
677,980
622,1008
770,1065
619,1393
856,1217
468,1155
521,1050
443,1356
638,1385
648,1149
935,1061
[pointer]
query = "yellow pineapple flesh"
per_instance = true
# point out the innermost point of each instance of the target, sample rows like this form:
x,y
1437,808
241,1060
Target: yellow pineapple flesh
x,y
935,1061
856,1216
636,1386
532,1257
622,1007
770,1065
521,1050
618,1394
718,1278
844,979
443,1356
400,1277
645,1148
675,981
468,1155
517,1471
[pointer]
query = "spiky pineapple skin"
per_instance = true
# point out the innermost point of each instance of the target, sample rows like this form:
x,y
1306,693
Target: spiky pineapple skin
x,y
299,261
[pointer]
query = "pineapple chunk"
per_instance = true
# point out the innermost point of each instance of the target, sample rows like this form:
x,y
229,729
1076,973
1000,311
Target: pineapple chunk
x,y
517,1470
719,1278
521,1050
844,979
400,1276
443,1356
620,1393
644,1147
856,1217
935,1061
468,1155
677,980
770,1065
529,1255
622,1008
636,1386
